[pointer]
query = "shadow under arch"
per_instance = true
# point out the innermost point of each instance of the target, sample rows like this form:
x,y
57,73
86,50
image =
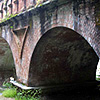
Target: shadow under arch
x,y
7,66
62,56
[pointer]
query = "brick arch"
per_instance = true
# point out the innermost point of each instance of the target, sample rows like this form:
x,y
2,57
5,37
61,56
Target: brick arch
x,y
7,66
86,35
62,56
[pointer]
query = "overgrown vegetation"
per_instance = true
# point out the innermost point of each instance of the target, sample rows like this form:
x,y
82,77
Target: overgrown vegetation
x,y
38,2
98,79
9,93
28,94
7,17
19,94
7,85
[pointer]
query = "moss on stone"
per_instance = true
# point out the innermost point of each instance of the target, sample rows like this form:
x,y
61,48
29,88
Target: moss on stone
x,y
7,17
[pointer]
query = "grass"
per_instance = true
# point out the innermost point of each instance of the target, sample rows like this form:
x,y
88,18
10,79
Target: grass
x,y
9,93
1,91
19,94
26,98
7,84
12,93
97,79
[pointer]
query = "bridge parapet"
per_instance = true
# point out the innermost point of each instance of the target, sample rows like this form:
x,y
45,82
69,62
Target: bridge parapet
x,y
10,7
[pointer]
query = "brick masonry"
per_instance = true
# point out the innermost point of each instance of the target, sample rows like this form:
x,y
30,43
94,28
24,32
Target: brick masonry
x,y
71,27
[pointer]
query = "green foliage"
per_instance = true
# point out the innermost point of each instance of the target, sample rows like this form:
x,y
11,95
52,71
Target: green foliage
x,y
26,98
28,94
38,3
21,94
7,84
1,90
98,79
41,4
11,27
9,93
7,17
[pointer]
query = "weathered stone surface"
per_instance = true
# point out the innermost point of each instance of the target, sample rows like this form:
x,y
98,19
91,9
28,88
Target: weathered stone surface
x,y
79,19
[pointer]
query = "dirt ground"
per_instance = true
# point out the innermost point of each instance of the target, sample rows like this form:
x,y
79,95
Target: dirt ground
x,y
3,98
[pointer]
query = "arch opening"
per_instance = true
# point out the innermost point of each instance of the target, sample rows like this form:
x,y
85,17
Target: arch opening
x,y
62,56
7,67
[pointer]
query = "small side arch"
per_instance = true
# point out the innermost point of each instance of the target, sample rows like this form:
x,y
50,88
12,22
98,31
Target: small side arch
x,y
7,66
62,56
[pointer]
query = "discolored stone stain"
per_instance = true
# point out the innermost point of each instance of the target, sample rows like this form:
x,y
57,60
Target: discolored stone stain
x,y
97,11
16,24
2,41
42,20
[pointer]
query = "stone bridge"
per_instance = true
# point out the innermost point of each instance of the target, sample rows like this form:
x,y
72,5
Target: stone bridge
x,y
53,42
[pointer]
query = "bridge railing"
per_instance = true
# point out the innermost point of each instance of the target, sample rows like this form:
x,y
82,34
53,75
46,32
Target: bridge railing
x,y
12,7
